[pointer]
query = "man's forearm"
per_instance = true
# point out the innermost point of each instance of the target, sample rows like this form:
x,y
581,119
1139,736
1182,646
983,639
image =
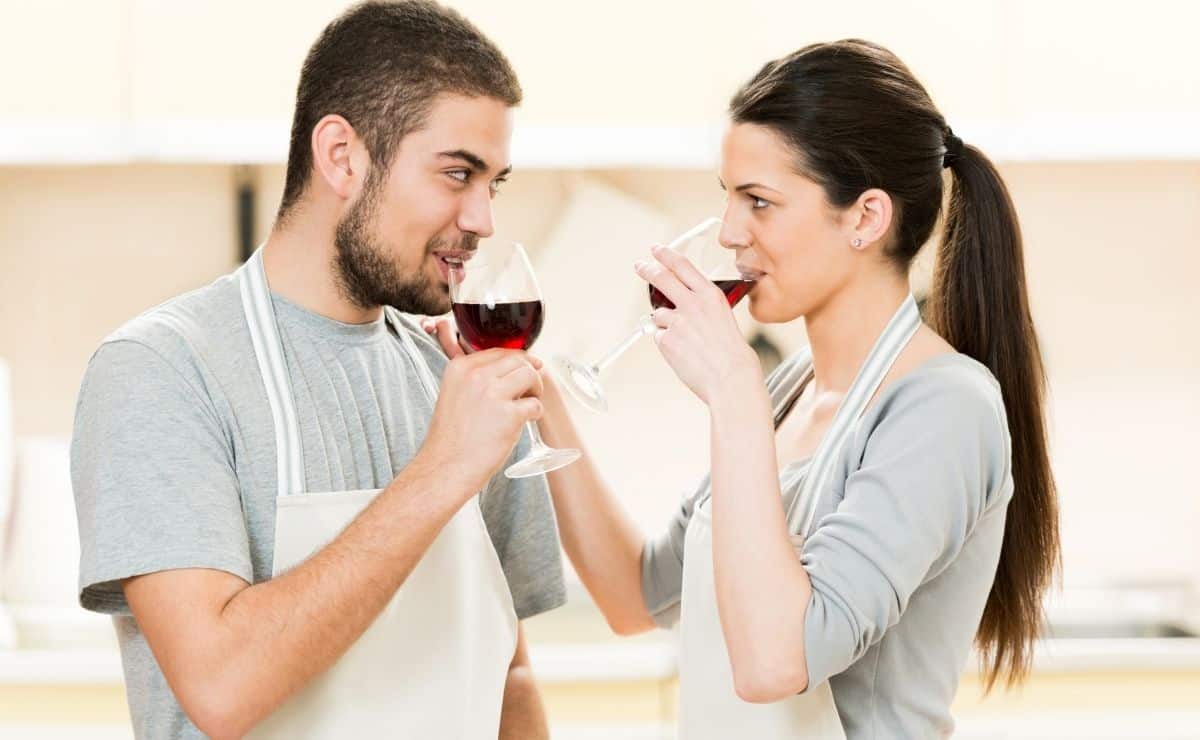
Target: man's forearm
x,y
523,717
271,639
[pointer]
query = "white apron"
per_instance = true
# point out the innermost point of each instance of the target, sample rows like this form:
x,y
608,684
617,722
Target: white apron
x,y
435,661
709,706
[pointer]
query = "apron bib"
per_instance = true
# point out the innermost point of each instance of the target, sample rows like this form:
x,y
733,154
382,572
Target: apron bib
x,y
435,661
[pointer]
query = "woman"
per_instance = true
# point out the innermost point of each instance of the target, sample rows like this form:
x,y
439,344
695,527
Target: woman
x,y
886,499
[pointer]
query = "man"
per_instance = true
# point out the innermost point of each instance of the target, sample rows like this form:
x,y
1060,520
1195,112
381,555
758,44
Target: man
x,y
276,499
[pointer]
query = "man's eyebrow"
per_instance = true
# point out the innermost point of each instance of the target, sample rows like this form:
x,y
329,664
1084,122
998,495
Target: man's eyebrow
x,y
476,162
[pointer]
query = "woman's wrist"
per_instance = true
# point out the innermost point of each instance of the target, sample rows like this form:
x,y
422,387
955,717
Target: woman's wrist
x,y
741,383
742,379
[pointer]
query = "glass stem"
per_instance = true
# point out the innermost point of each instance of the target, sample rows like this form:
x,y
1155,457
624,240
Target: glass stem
x,y
535,438
645,326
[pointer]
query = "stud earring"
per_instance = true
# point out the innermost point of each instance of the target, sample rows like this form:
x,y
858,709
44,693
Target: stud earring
x,y
856,243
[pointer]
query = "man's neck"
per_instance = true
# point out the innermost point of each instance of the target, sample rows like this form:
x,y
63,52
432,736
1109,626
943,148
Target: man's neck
x,y
299,261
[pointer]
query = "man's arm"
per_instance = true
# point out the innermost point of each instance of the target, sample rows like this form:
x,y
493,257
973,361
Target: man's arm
x,y
233,652
523,717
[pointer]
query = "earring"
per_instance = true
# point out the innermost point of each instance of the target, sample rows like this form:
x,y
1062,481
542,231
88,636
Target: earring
x,y
856,243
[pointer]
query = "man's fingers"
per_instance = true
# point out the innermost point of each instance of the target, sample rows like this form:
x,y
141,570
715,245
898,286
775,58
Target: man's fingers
x,y
529,408
521,381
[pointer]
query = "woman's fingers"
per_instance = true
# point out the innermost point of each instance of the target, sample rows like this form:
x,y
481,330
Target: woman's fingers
x,y
443,330
661,277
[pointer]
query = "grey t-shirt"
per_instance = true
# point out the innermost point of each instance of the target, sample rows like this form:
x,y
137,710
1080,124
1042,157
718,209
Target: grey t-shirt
x,y
173,458
905,548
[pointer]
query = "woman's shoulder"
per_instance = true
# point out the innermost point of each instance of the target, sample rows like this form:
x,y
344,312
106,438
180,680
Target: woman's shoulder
x,y
942,421
949,393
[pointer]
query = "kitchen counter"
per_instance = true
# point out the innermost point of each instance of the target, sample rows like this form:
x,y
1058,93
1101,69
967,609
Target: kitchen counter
x,y
596,685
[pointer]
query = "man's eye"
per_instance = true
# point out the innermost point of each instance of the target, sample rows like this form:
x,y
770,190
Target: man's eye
x,y
497,183
460,175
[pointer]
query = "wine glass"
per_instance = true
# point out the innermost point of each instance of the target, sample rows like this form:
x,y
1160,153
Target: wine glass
x,y
497,303
701,245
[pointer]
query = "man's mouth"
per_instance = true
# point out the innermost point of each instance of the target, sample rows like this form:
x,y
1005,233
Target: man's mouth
x,y
452,259
454,256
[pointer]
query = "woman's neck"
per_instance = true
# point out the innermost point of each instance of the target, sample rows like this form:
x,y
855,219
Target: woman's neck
x,y
843,330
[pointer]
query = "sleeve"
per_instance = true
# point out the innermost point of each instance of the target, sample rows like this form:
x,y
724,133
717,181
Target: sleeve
x,y
928,466
662,562
153,477
520,521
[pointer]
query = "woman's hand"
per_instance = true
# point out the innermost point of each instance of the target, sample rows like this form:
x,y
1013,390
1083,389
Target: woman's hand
x,y
699,338
443,330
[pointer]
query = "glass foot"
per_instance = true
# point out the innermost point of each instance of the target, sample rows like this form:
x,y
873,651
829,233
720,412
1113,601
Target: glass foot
x,y
542,461
584,384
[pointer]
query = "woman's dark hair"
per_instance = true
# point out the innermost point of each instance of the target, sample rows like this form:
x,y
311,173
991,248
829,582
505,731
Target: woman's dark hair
x,y
856,118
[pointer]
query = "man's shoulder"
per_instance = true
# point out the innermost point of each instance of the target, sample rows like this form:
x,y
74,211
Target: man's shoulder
x,y
191,337
188,324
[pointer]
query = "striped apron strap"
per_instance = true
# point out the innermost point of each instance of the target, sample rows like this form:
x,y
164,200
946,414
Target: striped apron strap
x,y
424,374
268,350
895,337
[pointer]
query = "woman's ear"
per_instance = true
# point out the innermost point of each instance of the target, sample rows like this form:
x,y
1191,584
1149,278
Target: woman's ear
x,y
870,218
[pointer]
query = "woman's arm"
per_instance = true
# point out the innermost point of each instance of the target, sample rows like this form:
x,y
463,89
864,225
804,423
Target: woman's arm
x,y
603,542
762,589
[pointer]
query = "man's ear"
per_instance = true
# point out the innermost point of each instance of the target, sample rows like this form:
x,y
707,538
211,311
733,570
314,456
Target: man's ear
x,y
337,159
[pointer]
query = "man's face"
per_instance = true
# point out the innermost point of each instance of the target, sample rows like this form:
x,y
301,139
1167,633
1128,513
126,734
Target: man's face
x,y
432,205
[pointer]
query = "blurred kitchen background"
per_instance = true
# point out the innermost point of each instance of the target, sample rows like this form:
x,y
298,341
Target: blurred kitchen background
x,y
141,152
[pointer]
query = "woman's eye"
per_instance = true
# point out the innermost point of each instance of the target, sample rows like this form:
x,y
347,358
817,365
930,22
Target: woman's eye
x,y
757,203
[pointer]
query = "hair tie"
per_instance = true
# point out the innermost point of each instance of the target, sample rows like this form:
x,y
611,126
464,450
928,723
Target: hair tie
x,y
954,146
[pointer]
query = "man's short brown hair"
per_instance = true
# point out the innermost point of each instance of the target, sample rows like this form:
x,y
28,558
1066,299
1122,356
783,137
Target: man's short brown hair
x,y
380,65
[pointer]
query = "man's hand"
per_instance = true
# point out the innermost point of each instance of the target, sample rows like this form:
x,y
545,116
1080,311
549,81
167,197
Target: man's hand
x,y
484,400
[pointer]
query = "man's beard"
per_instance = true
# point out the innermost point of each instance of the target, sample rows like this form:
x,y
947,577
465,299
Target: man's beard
x,y
368,276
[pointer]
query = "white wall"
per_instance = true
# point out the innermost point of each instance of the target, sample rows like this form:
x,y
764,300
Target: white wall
x,y
121,79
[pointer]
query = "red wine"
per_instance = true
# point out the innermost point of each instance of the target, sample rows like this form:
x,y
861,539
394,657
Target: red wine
x,y
507,325
734,290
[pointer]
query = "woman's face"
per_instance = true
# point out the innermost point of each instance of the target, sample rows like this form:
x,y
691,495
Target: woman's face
x,y
784,229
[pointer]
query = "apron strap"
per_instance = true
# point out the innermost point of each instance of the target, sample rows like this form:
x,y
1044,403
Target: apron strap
x,y
268,350
272,365
787,380
895,337
424,374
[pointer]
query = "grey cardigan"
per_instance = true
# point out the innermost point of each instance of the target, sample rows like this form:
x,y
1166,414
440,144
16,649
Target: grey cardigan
x,y
904,550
